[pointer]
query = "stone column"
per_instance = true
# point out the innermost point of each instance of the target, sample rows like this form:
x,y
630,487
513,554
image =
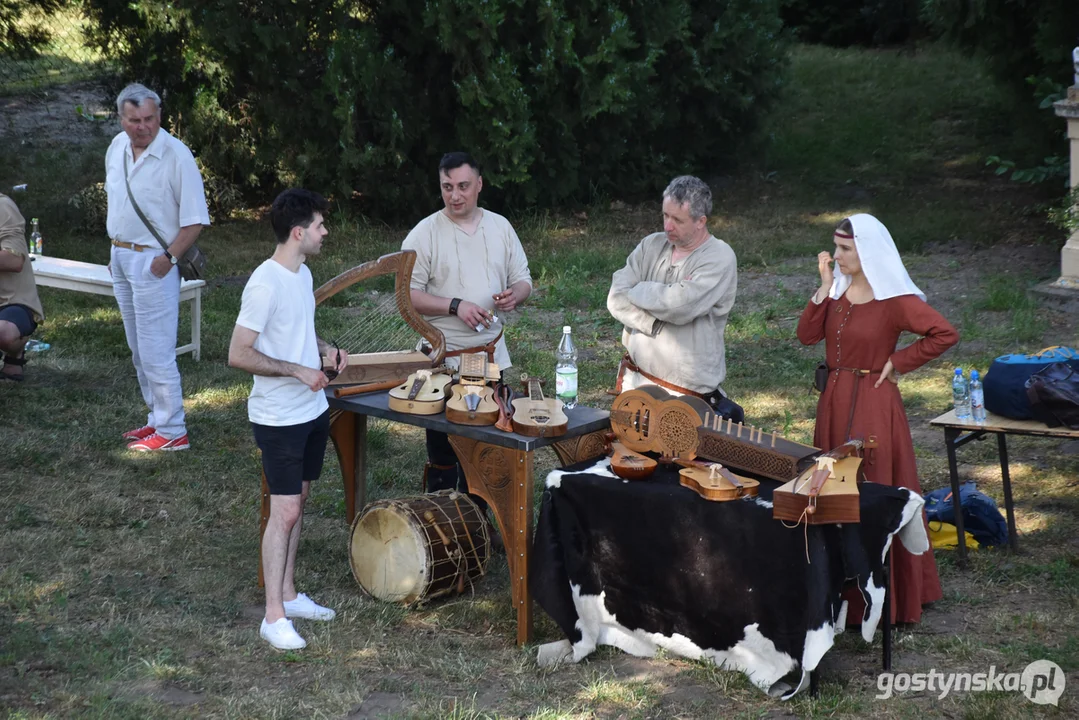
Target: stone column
x,y
1069,256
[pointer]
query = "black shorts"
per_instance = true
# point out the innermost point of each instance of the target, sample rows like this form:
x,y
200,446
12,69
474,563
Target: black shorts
x,y
21,317
292,454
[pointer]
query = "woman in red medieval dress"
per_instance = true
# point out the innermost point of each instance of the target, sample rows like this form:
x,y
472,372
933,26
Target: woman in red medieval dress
x,y
859,311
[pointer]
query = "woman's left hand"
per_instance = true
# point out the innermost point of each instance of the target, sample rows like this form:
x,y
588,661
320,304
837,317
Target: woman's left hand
x,y
889,373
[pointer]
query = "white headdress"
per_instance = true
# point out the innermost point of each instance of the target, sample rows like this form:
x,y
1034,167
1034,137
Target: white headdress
x,y
880,260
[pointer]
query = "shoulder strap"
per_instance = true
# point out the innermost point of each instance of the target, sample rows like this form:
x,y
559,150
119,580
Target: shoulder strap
x,y
138,210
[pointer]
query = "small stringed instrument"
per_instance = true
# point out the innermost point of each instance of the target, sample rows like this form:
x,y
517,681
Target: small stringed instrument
x,y
649,419
537,416
471,400
423,393
627,464
712,481
825,493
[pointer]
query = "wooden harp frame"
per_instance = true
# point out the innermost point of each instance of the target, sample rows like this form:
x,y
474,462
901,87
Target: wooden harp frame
x,y
397,364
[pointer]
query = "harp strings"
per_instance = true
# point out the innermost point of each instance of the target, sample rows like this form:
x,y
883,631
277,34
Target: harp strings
x,y
372,324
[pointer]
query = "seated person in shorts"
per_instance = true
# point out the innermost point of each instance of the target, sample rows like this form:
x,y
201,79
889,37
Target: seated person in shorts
x,y
20,307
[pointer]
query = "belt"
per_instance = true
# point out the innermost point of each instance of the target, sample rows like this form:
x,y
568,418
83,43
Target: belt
x,y
130,246
628,364
489,348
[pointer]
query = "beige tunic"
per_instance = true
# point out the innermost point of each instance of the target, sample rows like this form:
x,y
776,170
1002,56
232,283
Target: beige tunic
x,y
450,263
675,315
17,288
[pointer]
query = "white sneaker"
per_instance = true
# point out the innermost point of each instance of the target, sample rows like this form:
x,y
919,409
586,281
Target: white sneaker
x,y
306,608
282,635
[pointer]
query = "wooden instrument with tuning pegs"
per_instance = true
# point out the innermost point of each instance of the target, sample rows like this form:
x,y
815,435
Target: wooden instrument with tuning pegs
x,y
751,449
825,493
537,416
627,464
650,419
712,481
472,400
423,393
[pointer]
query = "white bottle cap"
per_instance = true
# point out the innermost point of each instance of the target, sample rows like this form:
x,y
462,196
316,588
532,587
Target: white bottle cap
x,y
565,330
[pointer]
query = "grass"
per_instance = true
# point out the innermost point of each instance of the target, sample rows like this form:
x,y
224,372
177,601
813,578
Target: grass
x,y
127,583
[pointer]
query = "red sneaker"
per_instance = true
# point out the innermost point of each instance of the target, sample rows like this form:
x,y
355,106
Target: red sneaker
x,y
139,434
157,442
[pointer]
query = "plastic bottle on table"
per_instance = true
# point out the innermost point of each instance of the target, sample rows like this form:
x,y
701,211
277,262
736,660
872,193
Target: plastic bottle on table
x,y
565,369
977,397
961,395
36,244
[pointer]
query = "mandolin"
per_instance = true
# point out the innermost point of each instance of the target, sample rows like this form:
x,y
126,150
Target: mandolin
x,y
472,401
712,481
650,419
627,464
423,393
826,493
537,416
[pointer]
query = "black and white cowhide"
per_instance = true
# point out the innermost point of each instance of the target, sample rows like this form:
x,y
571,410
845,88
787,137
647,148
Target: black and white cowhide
x,y
647,564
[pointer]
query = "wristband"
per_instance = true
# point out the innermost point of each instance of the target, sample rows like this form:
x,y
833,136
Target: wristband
x,y
453,305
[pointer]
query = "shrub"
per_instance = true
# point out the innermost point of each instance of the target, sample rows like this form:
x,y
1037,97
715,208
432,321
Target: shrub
x,y
563,101
853,22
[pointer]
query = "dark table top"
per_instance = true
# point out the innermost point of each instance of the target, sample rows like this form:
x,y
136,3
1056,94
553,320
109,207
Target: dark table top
x,y
582,420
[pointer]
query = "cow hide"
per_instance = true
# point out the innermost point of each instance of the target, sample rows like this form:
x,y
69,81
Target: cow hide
x,y
643,565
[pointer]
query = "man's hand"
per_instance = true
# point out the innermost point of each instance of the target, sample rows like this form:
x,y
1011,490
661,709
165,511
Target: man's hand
x,y
473,315
887,372
160,266
314,379
505,300
341,358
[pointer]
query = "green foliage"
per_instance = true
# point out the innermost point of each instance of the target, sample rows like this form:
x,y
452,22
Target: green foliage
x,y
852,22
21,33
563,102
1019,38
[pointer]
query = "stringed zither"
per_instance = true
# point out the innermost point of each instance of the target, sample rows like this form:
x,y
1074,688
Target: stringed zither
x,y
825,493
537,416
714,482
423,393
472,400
650,419
627,464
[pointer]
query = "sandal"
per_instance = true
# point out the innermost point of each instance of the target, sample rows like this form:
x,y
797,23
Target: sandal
x,y
17,362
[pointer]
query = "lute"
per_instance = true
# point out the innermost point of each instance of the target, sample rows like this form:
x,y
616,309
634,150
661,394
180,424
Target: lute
x,y
423,393
537,416
627,464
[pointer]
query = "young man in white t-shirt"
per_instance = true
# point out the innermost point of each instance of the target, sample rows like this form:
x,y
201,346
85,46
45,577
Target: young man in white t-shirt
x,y
274,339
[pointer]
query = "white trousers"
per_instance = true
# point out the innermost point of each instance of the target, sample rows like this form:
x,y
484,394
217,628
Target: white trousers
x,y
150,307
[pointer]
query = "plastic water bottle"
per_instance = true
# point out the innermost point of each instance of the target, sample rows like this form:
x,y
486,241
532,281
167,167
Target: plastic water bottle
x,y
961,395
36,245
36,346
977,397
565,369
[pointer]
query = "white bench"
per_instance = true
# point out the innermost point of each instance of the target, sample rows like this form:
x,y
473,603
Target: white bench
x,y
87,277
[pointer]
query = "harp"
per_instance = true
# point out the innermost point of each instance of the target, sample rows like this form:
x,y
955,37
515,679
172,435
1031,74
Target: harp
x,y
372,316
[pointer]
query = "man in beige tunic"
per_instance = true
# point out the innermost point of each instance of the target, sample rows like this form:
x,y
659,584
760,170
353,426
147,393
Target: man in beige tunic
x,y
470,271
20,307
673,297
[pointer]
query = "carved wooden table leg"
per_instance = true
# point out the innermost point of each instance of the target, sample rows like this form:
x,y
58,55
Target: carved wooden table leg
x,y
503,477
349,434
582,447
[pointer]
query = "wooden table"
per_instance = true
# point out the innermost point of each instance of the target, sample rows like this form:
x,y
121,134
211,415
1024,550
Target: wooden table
x,y
497,466
955,438
96,279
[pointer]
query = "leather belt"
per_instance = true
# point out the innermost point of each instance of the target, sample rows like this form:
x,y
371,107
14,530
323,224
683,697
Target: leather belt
x,y
130,246
489,348
628,364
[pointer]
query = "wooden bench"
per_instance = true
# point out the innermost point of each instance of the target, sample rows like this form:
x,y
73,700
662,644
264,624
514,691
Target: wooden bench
x,y
90,278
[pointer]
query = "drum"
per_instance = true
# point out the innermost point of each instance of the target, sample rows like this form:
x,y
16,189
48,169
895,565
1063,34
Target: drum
x,y
413,549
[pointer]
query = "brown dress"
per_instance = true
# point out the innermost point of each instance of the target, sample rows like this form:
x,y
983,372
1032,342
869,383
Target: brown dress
x,y
864,336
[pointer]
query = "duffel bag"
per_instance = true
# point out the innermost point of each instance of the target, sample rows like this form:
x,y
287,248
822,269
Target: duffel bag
x,y
1054,395
981,518
1005,383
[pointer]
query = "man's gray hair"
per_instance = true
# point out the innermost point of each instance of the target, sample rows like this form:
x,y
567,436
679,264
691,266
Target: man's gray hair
x,y
692,190
136,94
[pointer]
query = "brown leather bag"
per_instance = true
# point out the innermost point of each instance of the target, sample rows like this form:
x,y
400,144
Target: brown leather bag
x,y
1054,395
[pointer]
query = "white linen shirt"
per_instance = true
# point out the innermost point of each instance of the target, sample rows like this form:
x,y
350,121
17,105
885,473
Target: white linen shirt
x,y
166,183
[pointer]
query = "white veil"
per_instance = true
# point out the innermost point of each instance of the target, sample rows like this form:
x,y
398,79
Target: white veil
x,y
880,260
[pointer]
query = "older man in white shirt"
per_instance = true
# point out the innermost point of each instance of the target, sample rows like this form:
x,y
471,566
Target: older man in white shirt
x,y
148,167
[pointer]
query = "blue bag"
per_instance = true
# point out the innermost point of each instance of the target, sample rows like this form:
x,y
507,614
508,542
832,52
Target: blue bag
x,y
1004,384
981,518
